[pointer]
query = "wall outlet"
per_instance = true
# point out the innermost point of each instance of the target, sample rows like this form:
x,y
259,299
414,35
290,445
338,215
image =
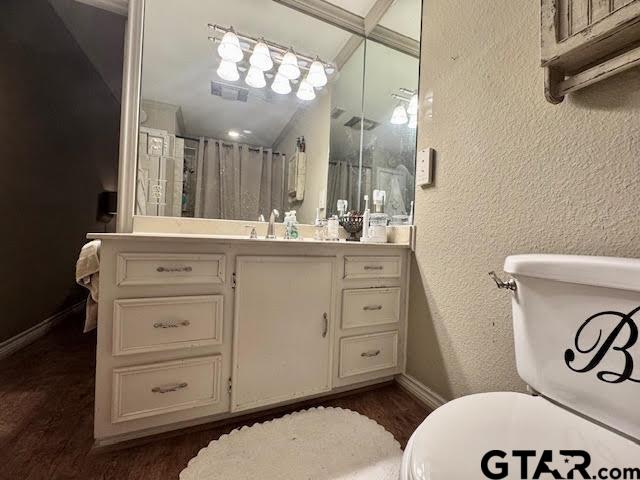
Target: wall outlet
x,y
424,167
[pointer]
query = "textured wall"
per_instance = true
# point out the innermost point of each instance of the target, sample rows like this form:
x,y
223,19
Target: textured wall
x,y
59,128
514,175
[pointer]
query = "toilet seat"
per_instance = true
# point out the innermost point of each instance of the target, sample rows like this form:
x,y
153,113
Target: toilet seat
x,y
452,441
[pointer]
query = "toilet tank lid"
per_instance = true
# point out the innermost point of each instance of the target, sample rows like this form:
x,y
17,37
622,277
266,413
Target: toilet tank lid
x,y
610,272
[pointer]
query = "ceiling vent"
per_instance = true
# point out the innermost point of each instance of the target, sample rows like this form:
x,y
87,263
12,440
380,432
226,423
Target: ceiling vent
x,y
229,92
337,112
354,123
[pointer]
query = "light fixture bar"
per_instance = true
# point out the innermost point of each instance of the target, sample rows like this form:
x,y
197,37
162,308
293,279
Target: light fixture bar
x,y
400,97
280,50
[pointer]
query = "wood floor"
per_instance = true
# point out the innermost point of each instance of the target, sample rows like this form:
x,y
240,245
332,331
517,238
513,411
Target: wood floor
x,y
46,417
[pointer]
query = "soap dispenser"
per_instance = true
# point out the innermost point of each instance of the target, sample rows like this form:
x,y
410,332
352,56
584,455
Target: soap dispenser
x,y
377,230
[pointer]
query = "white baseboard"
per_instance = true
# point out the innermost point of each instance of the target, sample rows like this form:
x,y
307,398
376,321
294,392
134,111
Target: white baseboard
x,y
420,391
23,339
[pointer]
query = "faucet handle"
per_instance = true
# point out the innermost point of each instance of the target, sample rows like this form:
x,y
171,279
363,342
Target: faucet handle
x,y
252,234
261,218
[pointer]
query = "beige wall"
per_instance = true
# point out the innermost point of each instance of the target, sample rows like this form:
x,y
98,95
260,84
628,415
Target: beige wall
x,y
514,175
59,131
314,123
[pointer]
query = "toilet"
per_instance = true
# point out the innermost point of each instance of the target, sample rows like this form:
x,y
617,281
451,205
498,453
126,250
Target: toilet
x,y
576,324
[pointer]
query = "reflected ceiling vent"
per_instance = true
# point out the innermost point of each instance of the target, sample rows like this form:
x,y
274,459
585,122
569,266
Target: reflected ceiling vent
x,y
367,124
336,112
229,92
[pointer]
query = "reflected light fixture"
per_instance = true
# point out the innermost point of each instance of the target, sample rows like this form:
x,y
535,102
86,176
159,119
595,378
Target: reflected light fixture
x,y
289,67
412,109
229,48
228,70
306,91
413,122
261,57
281,84
317,77
255,78
233,134
399,116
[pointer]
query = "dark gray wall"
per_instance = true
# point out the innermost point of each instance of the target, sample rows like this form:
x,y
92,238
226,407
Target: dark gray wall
x,y
59,128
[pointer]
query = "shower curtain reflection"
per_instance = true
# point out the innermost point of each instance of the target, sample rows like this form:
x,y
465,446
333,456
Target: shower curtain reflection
x,y
237,181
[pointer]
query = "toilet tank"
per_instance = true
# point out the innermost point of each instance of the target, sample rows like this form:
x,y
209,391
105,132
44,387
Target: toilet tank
x,y
576,324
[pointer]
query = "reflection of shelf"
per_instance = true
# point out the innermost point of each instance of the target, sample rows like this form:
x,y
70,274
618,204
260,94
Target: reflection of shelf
x,y
296,177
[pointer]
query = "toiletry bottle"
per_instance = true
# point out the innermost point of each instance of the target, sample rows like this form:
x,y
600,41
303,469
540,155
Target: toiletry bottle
x,y
333,228
365,220
293,226
378,220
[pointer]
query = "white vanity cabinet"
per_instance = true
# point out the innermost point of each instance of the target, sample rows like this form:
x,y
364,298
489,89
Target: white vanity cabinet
x,y
195,329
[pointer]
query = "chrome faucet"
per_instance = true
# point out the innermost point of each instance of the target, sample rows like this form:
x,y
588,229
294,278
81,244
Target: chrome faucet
x,y
272,219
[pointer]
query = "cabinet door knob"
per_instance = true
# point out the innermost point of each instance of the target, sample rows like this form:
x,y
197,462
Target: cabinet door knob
x,y
325,324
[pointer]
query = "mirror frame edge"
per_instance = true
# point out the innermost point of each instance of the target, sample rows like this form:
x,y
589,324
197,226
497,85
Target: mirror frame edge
x,y
130,116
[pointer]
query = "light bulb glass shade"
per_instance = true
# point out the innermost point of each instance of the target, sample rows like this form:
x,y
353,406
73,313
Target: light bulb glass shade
x,y
317,76
229,48
289,66
413,122
399,116
228,71
412,109
306,91
281,85
255,78
261,57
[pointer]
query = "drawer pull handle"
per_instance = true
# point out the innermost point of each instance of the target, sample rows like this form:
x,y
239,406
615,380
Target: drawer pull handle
x,y
372,353
325,325
367,308
184,323
373,267
170,388
174,269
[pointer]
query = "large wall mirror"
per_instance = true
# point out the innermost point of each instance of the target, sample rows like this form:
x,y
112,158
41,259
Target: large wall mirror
x,y
250,105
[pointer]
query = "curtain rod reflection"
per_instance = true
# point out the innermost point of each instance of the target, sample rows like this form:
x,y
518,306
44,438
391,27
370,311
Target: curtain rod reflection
x,y
226,144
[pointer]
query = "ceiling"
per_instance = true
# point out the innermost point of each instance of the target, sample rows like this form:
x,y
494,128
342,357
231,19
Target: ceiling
x,y
179,62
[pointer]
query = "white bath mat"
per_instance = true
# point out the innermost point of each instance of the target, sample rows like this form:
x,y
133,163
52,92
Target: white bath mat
x,y
315,444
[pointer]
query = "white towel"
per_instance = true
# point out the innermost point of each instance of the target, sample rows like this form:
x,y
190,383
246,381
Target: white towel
x,y
88,275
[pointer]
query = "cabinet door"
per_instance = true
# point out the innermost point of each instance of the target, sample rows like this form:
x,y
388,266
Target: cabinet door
x,y
282,329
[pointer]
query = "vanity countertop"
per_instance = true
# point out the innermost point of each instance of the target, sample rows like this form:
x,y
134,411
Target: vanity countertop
x,y
238,239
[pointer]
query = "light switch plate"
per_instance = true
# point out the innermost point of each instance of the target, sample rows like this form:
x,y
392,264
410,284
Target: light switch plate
x,y
424,167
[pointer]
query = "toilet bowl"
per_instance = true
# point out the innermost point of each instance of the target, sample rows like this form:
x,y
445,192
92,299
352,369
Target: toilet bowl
x,y
576,325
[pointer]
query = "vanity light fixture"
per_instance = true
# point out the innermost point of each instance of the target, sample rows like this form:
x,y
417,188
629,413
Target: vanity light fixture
x,y
255,78
281,85
228,70
289,68
413,122
264,54
317,76
306,91
229,48
233,134
399,116
261,57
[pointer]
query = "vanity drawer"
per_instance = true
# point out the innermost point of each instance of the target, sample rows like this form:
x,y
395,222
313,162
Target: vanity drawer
x,y
372,267
368,353
153,324
370,306
148,390
169,269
